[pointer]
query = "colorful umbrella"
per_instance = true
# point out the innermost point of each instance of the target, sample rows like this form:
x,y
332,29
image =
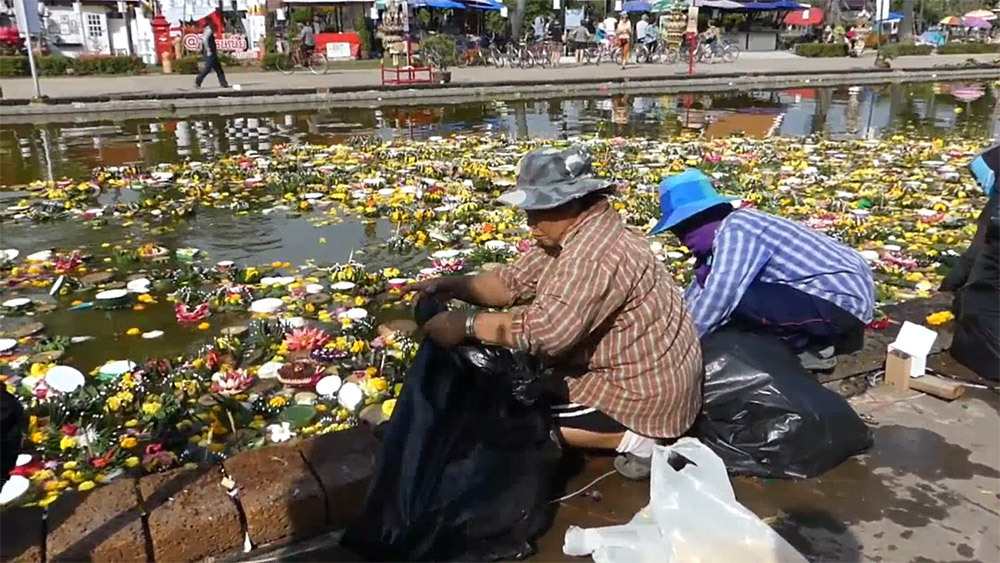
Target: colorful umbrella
x,y
968,93
809,16
951,20
981,15
976,23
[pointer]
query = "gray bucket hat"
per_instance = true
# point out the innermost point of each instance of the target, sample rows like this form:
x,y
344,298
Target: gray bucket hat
x,y
548,177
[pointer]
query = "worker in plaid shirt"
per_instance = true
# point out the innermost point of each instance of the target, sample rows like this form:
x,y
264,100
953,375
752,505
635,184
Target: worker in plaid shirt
x,y
766,274
596,305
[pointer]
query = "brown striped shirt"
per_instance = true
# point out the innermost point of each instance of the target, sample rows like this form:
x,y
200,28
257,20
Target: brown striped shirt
x,y
607,311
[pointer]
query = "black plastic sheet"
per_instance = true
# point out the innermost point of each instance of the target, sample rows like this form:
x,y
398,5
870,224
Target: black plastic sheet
x,y
466,464
11,431
977,298
766,416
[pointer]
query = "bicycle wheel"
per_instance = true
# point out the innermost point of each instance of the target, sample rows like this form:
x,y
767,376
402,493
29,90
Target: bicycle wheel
x,y
284,63
615,56
730,53
497,57
318,63
542,58
671,56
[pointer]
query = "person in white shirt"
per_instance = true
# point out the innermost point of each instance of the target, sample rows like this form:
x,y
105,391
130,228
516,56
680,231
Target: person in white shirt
x,y
643,34
610,24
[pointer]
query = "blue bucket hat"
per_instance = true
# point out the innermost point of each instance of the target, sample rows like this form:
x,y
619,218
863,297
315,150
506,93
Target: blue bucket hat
x,y
683,195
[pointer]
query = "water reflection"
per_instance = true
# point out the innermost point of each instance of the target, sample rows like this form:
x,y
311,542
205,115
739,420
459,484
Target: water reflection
x,y
53,151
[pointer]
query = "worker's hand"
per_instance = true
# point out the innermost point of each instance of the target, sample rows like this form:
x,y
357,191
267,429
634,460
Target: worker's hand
x,y
447,329
439,289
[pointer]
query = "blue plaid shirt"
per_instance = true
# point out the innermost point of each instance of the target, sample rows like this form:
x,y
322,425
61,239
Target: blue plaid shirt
x,y
754,246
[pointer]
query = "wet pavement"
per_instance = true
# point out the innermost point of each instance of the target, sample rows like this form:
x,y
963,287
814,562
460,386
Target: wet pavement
x,y
928,490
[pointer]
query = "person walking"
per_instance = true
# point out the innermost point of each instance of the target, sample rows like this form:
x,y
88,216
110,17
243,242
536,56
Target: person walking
x,y
211,52
624,34
579,40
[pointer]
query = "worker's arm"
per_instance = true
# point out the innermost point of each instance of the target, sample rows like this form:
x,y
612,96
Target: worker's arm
x,y
739,256
484,289
512,284
578,299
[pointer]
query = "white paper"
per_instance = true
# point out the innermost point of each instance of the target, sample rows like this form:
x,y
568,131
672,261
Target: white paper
x,y
503,12
916,341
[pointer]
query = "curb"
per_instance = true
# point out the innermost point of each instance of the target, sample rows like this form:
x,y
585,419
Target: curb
x,y
288,492
171,103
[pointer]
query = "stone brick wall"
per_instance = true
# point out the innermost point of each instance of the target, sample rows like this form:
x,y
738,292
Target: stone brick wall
x,y
286,492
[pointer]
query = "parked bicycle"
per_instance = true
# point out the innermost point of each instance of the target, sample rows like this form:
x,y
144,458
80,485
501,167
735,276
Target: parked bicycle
x,y
724,51
658,53
604,51
316,62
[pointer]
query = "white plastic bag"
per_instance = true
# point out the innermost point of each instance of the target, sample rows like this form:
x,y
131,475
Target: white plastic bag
x,y
692,516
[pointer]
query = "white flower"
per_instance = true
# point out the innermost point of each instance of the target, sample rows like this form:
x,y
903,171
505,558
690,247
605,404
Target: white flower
x,y
280,432
87,437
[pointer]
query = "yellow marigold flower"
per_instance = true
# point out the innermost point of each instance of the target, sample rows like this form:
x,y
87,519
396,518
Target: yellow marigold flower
x,y
151,408
131,423
113,403
939,318
70,465
204,326
86,486
388,406
379,384
358,347
67,442
131,461
277,402
39,369
51,486
38,437
129,442
133,331
49,499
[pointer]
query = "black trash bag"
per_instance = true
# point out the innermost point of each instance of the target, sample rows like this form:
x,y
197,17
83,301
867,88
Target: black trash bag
x,y
466,464
766,416
977,306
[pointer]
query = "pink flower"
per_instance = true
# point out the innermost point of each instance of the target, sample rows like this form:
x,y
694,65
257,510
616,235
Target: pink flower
x,y
306,339
378,343
231,382
69,429
524,246
186,315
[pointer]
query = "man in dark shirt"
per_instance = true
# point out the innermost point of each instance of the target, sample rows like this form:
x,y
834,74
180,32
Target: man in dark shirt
x,y
211,59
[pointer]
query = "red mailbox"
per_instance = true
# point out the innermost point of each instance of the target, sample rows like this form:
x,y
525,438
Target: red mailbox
x,y
161,36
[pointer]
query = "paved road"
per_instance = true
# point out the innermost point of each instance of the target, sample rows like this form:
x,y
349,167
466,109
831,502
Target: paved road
x,y
73,87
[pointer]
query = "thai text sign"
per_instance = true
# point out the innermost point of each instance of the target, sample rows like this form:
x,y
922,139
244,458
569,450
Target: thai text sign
x,y
223,41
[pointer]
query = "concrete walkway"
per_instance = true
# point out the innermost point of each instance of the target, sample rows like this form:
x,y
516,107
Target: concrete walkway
x,y
80,88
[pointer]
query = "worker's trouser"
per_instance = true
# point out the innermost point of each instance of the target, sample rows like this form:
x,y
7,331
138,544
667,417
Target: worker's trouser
x,y
804,321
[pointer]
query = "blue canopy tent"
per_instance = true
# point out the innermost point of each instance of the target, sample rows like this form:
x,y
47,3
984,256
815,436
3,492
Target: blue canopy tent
x,y
774,6
488,5
636,6
440,4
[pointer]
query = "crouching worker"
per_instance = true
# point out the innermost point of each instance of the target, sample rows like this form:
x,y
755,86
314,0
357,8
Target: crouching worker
x,y
598,308
766,274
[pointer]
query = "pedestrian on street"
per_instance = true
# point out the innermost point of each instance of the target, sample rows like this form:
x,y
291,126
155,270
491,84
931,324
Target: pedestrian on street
x,y
579,40
211,52
624,33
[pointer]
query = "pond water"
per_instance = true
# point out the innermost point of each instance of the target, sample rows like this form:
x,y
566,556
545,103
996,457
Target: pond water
x,y
72,151
964,110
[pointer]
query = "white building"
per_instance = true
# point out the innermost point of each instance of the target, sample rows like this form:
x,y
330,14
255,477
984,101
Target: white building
x,y
98,27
